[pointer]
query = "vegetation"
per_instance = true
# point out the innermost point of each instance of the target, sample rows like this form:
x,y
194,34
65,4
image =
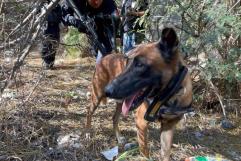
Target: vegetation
x,y
211,32
40,107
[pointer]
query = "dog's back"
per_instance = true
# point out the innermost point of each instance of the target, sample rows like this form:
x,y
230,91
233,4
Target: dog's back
x,y
108,68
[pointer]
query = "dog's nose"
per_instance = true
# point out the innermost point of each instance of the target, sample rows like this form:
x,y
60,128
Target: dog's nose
x,y
109,90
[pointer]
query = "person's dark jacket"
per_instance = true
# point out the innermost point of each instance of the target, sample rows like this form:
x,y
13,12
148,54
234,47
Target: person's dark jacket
x,y
129,21
107,8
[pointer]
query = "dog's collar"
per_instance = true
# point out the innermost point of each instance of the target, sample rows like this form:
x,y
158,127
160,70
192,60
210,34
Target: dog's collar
x,y
154,110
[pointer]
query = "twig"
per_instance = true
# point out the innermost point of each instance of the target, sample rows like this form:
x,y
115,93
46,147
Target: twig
x,y
1,6
219,98
45,12
21,59
11,43
39,19
3,26
77,44
234,5
25,51
33,89
23,22
215,91
14,157
30,15
234,99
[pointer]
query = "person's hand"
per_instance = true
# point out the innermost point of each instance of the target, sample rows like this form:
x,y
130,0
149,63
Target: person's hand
x,y
80,26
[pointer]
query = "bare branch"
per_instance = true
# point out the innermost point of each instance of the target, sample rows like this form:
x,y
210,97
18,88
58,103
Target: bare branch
x,y
219,98
1,6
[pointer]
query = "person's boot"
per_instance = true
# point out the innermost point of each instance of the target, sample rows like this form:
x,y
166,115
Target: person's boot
x,y
48,66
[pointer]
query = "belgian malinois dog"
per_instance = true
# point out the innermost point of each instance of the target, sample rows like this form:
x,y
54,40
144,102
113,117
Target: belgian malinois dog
x,y
154,80
106,70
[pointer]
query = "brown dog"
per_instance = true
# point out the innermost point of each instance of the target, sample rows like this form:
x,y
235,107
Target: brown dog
x,y
155,81
108,68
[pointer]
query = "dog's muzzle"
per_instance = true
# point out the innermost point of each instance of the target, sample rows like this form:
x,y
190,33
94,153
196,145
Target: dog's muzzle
x,y
109,90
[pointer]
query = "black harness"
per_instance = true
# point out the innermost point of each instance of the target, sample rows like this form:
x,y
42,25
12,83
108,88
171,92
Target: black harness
x,y
160,108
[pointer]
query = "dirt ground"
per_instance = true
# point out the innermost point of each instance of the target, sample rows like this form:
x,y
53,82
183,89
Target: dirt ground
x,y
43,115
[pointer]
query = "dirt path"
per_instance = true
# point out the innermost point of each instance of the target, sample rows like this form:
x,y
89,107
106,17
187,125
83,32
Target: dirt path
x,y
49,125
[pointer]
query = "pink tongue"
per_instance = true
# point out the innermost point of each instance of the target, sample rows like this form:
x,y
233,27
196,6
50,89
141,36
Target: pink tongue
x,y
127,104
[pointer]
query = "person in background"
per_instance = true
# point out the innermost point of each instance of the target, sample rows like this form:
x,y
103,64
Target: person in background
x,y
90,8
131,10
51,33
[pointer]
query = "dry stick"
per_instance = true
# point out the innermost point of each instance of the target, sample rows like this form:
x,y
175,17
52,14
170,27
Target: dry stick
x,y
215,90
3,26
40,19
11,43
219,98
1,6
20,60
26,50
33,89
24,22
34,12
234,6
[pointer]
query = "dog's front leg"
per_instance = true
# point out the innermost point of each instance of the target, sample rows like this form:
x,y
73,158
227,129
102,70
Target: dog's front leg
x,y
167,131
121,140
142,127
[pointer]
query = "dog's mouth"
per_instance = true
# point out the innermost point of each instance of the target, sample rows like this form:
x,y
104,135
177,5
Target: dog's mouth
x,y
132,102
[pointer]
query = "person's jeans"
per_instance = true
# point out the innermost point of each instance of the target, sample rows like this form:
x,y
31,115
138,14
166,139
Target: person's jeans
x,y
128,41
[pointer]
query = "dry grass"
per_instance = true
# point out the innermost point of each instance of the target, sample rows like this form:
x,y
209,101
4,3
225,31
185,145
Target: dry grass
x,y
30,128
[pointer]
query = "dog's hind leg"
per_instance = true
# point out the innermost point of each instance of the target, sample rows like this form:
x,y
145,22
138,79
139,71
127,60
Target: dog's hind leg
x,y
90,112
121,140
142,126
167,131
91,109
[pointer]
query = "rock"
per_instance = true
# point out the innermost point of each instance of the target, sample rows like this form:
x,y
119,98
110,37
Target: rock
x,y
227,125
69,141
189,114
3,157
235,155
198,135
129,146
54,153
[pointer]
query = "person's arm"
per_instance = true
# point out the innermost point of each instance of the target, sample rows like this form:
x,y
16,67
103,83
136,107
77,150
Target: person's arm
x,y
69,18
68,15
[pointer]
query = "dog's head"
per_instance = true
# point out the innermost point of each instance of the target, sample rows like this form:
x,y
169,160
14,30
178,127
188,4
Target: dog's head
x,y
149,66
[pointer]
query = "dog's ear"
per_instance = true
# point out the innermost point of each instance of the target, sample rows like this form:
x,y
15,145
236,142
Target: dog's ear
x,y
168,43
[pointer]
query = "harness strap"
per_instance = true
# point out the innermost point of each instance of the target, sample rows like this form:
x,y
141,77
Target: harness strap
x,y
166,112
163,96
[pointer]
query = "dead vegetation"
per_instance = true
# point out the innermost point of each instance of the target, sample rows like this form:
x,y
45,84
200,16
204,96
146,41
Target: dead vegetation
x,y
43,112
43,117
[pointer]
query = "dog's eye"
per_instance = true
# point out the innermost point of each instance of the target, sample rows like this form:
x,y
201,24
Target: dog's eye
x,y
139,64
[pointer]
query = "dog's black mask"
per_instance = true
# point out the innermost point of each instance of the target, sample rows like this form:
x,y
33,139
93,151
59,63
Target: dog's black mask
x,y
137,77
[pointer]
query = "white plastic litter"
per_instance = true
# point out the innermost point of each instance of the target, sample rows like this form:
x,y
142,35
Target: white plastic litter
x,y
111,153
